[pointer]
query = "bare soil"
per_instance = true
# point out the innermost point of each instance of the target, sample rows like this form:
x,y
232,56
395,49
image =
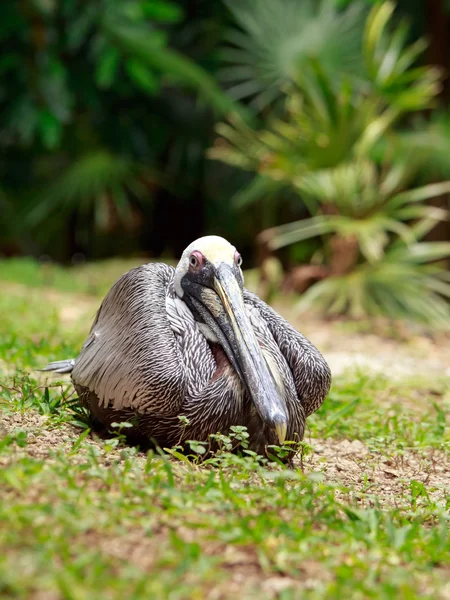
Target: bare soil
x,y
373,477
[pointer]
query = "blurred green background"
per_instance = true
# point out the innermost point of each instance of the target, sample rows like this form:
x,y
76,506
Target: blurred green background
x,y
314,135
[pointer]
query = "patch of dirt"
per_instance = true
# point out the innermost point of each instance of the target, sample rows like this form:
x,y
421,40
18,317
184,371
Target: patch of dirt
x,y
419,356
43,440
395,351
385,479
371,476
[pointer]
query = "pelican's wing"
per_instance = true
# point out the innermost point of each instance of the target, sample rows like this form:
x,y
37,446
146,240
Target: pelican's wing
x,y
131,358
312,376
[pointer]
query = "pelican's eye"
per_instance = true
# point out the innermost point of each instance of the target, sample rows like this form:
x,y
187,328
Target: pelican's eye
x,y
196,259
237,258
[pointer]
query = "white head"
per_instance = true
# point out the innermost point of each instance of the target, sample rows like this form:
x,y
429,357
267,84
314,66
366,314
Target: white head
x,y
211,249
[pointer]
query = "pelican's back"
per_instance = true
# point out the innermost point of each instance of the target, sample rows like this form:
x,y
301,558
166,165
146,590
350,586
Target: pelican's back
x,y
131,358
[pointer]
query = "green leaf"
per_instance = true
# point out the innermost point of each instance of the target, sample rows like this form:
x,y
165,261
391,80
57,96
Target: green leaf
x,y
389,63
107,68
85,184
162,10
142,75
260,188
50,129
428,251
276,39
278,237
421,193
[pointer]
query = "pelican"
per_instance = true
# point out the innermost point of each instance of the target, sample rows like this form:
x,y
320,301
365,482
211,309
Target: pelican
x,y
180,354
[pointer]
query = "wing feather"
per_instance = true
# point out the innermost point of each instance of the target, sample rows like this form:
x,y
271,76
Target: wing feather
x,y
131,358
311,373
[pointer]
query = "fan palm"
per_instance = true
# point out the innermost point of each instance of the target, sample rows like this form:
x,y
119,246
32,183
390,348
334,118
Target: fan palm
x,y
360,201
401,285
324,123
97,185
276,39
331,119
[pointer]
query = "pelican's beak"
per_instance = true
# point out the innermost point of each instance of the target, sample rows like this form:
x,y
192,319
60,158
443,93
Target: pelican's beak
x,y
232,326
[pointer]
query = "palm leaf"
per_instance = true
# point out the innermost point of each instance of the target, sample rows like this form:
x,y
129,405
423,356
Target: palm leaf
x,y
389,61
397,290
261,187
420,252
420,194
428,141
276,39
284,235
87,183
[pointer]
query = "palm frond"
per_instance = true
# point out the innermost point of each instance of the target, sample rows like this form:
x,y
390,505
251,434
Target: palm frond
x,y
284,235
429,142
356,207
260,187
88,184
421,193
276,40
350,188
419,253
322,127
396,290
389,62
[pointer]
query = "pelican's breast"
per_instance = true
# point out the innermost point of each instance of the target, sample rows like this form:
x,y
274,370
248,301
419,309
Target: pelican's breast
x,y
198,360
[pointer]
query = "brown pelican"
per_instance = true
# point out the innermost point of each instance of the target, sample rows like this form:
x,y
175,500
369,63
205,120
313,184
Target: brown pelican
x,y
192,342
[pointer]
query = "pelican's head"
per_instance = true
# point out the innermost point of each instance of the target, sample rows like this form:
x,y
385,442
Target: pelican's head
x,y
209,279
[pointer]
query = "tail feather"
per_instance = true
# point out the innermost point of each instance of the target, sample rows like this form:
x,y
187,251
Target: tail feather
x,y
60,366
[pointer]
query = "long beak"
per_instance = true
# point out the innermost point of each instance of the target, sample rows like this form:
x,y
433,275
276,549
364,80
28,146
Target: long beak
x,y
244,351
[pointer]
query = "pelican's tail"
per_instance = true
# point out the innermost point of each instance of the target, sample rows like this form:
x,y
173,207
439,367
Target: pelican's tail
x,y
60,366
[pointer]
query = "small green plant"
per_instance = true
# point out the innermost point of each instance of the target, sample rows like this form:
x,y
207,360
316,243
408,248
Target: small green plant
x,y
197,447
19,437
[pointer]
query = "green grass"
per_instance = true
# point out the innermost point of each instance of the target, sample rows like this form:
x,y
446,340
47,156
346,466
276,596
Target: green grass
x,y
88,278
82,518
410,415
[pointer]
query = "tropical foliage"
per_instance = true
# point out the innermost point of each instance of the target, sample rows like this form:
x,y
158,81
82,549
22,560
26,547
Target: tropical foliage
x,y
326,145
104,120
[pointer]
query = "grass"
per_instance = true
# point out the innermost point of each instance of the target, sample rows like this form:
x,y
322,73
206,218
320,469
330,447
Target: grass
x,y
87,278
83,518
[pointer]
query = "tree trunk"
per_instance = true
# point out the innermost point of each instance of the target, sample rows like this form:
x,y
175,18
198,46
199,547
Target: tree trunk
x,y
438,26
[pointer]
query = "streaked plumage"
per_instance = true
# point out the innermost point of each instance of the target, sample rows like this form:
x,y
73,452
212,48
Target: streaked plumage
x,y
153,354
